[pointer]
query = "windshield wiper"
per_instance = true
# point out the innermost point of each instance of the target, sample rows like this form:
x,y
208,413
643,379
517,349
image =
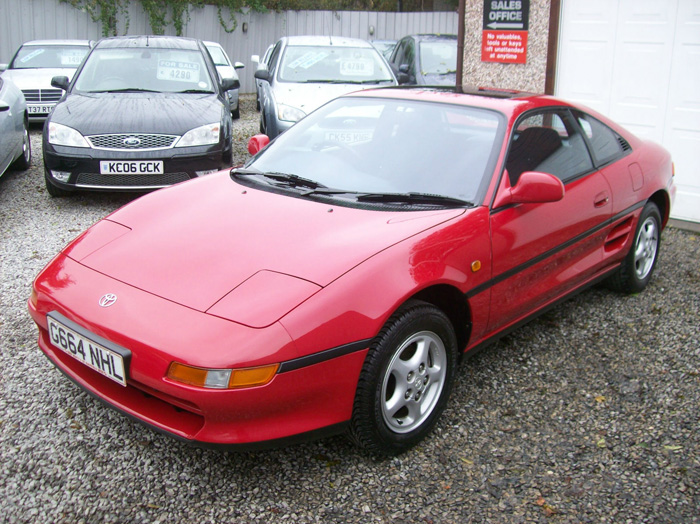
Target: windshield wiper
x,y
412,198
286,179
126,90
195,91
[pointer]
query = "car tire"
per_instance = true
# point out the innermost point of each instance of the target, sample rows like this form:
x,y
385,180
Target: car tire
x,y
53,190
638,265
236,113
24,161
405,380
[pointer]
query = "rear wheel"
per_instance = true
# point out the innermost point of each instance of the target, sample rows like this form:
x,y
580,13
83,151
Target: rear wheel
x,y
405,381
635,272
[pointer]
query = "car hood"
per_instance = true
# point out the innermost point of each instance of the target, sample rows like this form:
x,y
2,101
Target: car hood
x,y
309,97
36,78
168,113
197,242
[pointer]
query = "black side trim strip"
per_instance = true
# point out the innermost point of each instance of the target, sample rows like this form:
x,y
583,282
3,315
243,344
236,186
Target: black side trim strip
x,y
316,358
522,267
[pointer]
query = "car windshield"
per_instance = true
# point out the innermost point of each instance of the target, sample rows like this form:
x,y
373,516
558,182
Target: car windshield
x,y
144,69
438,57
389,146
333,64
50,56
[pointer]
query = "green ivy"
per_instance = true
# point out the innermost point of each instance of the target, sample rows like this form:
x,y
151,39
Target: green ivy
x,y
162,13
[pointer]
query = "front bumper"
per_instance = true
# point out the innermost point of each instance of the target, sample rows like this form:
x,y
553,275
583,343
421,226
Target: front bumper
x,y
300,401
81,166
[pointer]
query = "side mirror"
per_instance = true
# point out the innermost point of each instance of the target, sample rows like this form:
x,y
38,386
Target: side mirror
x,y
3,67
532,187
61,82
257,142
230,83
255,59
403,78
3,107
403,68
238,65
262,74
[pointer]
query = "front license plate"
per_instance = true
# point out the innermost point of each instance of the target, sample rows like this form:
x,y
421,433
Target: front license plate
x,y
90,352
39,110
131,167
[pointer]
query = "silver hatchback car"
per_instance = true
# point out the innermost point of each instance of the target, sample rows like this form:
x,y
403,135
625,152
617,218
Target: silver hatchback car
x,y
34,65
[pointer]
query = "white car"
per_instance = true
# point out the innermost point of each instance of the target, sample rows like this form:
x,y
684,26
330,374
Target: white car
x,y
34,65
15,146
305,72
226,70
261,63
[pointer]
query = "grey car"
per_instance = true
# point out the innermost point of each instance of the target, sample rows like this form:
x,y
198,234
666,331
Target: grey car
x,y
428,59
226,69
305,72
15,146
34,65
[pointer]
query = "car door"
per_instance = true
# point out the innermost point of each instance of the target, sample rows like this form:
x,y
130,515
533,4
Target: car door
x,y
541,251
8,132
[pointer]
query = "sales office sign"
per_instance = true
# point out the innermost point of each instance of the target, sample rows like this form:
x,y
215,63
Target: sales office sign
x,y
505,30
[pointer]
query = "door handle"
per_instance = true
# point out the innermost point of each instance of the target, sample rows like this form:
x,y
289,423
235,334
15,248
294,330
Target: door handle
x,y
601,199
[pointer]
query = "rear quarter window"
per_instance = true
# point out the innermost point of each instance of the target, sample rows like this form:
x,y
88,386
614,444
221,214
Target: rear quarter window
x,y
607,145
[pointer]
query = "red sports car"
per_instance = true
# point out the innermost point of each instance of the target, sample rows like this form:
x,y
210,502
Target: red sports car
x,y
333,282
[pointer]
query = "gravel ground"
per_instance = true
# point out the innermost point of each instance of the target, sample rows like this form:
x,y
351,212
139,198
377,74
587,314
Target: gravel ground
x,y
590,414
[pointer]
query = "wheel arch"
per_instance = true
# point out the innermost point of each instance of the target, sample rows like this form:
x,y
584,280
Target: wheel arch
x,y
453,303
663,202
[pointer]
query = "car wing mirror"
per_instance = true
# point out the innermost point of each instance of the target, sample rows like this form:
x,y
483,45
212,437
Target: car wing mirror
x,y
230,83
3,67
61,82
532,187
255,59
257,142
403,68
403,78
238,65
262,74
3,106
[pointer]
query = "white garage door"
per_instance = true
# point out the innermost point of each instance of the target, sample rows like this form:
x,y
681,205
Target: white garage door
x,y
638,62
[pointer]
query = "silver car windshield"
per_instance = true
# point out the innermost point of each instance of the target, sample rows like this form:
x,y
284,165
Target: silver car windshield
x,y
144,69
52,56
390,146
438,57
333,64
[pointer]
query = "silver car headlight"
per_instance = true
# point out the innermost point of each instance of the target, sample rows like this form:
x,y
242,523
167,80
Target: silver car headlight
x,y
61,135
289,113
201,136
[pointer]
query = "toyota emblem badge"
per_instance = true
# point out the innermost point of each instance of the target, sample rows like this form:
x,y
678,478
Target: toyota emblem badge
x,y
108,299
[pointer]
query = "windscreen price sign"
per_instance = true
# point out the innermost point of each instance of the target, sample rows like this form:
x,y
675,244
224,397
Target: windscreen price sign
x,y
505,29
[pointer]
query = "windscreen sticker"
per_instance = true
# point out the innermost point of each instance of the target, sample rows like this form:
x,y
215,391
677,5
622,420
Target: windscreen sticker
x,y
306,60
178,71
357,67
31,55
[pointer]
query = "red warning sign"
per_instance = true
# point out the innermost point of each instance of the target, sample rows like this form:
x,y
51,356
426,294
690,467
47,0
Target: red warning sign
x,y
505,31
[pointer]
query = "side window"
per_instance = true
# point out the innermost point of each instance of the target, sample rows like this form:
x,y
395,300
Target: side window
x,y
272,64
547,141
410,58
606,144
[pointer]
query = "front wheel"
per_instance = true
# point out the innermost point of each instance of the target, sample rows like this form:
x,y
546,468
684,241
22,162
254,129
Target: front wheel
x,y
25,159
405,381
637,267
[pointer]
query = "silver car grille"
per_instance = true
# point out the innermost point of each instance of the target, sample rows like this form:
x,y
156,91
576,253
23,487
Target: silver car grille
x,y
132,142
42,96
